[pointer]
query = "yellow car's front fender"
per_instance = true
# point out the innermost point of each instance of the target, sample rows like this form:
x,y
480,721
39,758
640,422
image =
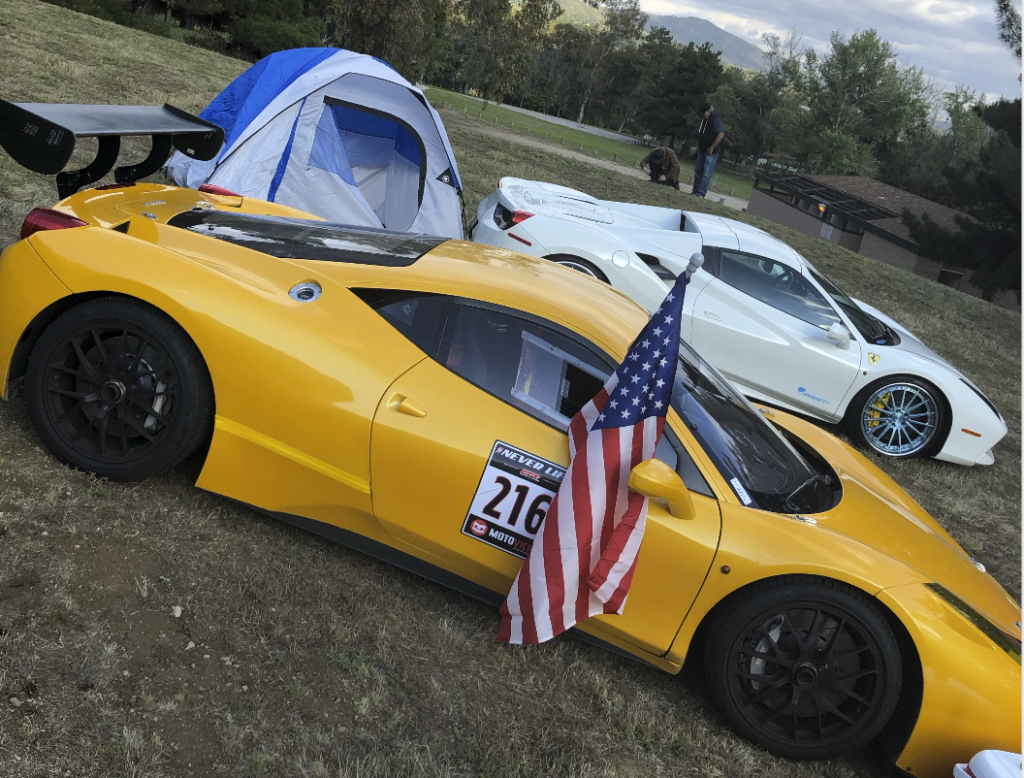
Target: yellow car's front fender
x,y
971,699
757,545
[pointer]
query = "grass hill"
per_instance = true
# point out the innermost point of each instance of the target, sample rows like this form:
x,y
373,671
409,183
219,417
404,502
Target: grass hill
x,y
578,12
686,29
295,657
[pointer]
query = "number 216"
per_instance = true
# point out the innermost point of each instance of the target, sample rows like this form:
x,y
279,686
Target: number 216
x,y
534,516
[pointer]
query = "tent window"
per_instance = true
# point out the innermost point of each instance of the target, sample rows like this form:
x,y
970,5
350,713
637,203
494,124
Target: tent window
x,y
389,159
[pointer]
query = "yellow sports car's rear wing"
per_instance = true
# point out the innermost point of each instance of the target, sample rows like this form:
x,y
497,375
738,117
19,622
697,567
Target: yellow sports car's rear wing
x,y
42,136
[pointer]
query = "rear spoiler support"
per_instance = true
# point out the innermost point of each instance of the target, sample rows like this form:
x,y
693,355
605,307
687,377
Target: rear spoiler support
x,y
42,136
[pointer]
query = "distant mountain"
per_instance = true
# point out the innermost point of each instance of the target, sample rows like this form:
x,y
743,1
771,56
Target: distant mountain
x,y
685,29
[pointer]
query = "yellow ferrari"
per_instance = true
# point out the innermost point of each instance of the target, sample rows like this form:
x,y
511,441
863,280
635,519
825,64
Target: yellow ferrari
x,y
409,396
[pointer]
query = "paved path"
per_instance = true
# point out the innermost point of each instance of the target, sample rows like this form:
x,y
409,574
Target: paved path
x,y
607,164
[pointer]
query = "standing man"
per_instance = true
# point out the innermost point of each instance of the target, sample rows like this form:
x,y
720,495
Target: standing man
x,y
709,140
663,162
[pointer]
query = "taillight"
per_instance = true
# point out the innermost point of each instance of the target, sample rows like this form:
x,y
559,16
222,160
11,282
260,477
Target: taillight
x,y
218,190
969,771
40,219
505,218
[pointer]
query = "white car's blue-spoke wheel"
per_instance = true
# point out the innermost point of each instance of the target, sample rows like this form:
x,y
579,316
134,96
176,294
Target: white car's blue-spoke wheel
x,y
898,417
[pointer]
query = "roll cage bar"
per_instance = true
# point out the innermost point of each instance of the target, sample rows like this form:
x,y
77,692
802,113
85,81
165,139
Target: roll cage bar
x,y
42,137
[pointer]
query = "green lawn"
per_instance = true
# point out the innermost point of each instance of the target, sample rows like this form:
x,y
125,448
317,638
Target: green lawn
x,y
630,154
293,657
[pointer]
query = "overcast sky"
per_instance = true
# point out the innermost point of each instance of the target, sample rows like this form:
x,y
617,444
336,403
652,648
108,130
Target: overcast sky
x,y
953,41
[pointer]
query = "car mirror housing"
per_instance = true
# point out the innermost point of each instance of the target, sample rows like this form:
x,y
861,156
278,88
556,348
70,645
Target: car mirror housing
x,y
839,335
654,479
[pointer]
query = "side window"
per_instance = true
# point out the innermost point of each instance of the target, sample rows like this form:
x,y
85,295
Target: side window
x,y
712,256
418,316
530,366
777,285
672,452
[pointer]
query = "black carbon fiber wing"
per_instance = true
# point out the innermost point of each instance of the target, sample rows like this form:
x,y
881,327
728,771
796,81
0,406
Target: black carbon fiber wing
x,y
42,137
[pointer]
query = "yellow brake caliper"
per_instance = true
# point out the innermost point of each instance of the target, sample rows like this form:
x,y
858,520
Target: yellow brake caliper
x,y
879,406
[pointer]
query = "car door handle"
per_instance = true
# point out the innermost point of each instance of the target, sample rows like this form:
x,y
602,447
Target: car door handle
x,y
403,404
712,315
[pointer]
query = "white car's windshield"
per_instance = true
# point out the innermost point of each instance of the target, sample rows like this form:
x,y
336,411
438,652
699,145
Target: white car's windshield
x,y
764,469
870,327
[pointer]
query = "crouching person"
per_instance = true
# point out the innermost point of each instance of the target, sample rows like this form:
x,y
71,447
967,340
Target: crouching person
x,y
663,162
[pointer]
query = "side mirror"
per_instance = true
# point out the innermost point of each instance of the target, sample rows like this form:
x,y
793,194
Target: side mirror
x,y
839,335
653,478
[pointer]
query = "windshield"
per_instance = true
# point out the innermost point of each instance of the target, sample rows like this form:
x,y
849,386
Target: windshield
x,y
870,327
763,468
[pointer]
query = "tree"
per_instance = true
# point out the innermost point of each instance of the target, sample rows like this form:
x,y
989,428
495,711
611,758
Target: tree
x,y
750,101
261,27
493,42
410,35
1008,18
692,78
623,23
988,241
859,102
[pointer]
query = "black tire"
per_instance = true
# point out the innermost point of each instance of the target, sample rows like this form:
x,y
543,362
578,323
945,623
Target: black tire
x,y
580,265
874,421
803,698
116,388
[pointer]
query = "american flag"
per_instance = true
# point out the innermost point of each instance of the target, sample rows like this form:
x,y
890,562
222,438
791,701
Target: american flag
x,y
582,562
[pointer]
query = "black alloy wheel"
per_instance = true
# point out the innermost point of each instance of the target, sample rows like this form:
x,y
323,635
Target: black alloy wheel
x,y
808,671
116,388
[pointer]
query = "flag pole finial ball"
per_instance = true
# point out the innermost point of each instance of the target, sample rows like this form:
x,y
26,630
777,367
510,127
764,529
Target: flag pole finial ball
x,y
696,260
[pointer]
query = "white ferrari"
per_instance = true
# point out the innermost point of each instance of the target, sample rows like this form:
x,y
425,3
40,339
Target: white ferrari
x,y
762,314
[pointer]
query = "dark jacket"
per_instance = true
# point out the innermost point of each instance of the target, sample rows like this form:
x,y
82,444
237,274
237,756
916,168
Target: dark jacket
x,y
669,163
708,131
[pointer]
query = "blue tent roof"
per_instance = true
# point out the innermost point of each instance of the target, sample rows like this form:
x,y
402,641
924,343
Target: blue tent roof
x,y
245,97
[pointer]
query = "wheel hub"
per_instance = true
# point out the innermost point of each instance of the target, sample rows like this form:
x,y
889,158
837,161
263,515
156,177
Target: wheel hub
x,y
113,392
804,674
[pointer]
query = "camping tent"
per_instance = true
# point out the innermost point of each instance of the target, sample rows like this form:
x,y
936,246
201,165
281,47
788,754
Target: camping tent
x,y
337,134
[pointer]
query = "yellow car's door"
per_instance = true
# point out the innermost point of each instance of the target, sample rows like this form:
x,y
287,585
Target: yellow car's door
x,y
469,445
